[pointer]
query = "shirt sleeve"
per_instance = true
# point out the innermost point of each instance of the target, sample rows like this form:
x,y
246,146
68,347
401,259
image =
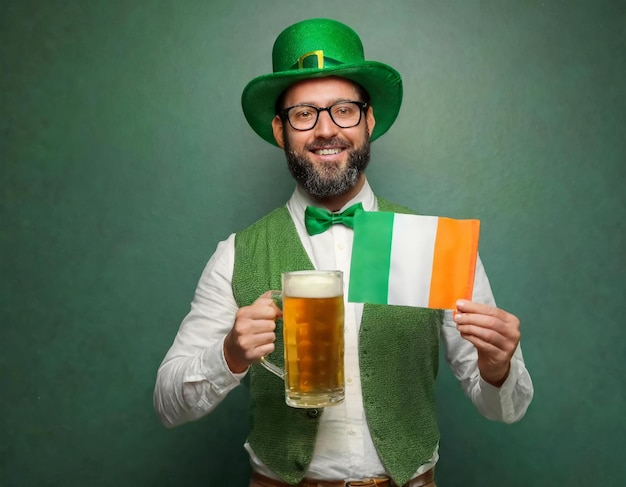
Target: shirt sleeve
x,y
194,377
507,403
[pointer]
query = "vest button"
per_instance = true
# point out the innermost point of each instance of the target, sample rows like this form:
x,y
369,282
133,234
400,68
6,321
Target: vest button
x,y
313,413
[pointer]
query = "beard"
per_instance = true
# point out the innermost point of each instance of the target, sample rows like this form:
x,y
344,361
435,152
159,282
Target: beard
x,y
328,180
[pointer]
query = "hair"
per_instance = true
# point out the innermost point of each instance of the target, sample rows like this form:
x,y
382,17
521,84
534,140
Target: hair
x,y
362,92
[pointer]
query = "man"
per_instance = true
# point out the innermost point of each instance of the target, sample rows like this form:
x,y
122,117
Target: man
x,y
323,104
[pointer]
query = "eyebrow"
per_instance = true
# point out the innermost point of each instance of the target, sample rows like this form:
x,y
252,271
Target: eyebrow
x,y
337,100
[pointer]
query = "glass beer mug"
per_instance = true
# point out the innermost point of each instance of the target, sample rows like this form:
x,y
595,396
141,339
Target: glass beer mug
x,y
313,323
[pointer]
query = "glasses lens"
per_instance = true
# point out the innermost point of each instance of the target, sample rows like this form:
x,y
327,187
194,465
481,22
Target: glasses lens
x,y
346,114
302,117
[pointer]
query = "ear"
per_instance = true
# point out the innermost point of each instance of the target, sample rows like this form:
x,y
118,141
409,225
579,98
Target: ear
x,y
277,128
371,121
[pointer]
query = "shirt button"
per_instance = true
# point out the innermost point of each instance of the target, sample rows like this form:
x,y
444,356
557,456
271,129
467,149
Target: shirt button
x,y
349,380
340,246
351,432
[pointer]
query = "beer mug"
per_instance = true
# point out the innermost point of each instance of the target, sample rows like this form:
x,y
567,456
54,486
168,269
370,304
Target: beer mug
x,y
313,317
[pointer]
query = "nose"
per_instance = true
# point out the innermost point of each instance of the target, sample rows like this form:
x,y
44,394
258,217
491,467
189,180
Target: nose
x,y
325,127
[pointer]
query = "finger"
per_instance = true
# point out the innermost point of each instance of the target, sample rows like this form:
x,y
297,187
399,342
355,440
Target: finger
x,y
465,306
495,319
481,320
248,341
267,299
262,351
261,309
486,338
483,346
263,345
249,327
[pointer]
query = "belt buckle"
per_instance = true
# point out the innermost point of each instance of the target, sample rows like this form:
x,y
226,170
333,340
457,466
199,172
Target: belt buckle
x,y
363,483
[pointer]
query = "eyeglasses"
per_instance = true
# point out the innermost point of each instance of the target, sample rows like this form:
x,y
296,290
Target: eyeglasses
x,y
344,114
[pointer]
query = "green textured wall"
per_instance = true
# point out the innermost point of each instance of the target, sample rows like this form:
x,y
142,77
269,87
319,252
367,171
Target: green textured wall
x,y
121,129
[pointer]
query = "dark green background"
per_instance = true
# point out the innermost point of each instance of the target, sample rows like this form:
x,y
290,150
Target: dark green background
x,y
121,130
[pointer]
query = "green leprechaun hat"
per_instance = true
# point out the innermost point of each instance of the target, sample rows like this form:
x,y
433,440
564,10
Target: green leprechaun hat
x,y
318,48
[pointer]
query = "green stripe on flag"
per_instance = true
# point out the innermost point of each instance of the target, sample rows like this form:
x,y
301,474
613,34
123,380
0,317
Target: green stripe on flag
x,y
371,257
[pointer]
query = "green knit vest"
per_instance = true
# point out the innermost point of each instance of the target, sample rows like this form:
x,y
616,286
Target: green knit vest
x,y
398,357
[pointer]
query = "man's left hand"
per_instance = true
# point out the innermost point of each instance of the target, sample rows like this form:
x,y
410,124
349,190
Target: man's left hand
x,y
495,334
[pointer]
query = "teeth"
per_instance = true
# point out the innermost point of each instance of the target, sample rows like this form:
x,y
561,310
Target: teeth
x,y
327,152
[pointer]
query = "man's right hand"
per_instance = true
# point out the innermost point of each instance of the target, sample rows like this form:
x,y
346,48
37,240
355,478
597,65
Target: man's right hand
x,y
252,335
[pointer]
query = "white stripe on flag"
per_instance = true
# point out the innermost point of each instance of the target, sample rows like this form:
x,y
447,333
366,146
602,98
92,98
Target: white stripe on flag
x,y
412,250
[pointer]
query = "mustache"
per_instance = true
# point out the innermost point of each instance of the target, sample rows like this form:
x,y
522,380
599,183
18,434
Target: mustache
x,y
328,143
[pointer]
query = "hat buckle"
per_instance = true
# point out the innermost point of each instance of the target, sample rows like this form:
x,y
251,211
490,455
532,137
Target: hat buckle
x,y
320,59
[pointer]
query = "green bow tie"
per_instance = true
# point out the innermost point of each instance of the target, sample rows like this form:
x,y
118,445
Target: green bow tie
x,y
318,220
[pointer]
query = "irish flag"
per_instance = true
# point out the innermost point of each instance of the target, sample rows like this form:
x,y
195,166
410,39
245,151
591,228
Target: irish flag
x,y
412,260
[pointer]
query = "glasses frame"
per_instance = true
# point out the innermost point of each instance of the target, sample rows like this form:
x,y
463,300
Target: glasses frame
x,y
284,113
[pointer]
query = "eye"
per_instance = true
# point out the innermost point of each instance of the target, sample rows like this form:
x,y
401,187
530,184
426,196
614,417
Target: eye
x,y
344,110
301,113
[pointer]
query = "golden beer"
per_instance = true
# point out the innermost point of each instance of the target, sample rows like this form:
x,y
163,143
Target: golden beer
x,y
313,331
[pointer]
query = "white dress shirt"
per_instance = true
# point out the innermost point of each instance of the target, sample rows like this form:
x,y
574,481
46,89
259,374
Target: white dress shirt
x,y
194,377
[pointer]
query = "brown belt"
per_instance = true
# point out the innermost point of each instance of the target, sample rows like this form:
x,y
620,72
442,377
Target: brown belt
x,y
423,479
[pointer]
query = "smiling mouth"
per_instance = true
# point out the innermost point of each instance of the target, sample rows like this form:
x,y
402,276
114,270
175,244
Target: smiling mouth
x,y
327,152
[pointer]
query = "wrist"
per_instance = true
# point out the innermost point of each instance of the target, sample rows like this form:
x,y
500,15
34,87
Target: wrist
x,y
496,377
235,365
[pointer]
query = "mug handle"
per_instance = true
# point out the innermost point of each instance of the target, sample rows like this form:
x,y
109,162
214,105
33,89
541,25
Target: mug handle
x,y
277,297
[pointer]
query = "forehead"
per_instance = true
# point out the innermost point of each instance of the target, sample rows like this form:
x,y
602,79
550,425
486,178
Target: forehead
x,y
321,91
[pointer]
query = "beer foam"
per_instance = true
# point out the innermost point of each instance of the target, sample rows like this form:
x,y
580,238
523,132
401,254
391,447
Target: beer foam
x,y
312,285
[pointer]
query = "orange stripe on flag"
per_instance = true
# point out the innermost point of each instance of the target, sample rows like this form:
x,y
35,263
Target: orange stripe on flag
x,y
454,262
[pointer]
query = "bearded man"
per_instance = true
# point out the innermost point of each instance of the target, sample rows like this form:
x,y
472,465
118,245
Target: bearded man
x,y
324,104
